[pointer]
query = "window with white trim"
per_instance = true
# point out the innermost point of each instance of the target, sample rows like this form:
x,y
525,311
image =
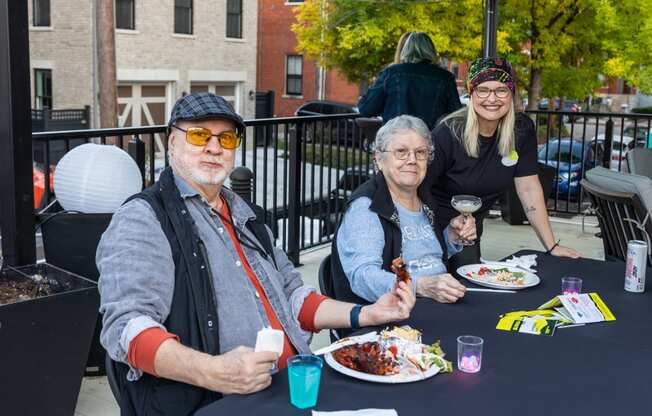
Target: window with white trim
x,y
43,88
183,17
294,75
41,13
125,14
234,19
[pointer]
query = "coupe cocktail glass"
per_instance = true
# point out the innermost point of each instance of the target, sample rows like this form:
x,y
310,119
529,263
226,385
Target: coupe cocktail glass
x,y
466,205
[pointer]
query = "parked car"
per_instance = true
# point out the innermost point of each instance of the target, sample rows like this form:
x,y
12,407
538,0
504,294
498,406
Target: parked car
x,y
640,132
320,107
569,105
345,129
619,148
572,158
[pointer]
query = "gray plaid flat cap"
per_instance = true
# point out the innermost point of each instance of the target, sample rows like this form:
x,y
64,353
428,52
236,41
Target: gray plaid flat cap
x,y
202,106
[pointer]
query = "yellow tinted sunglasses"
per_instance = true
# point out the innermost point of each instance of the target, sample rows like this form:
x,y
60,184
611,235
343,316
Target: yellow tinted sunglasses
x,y
199,136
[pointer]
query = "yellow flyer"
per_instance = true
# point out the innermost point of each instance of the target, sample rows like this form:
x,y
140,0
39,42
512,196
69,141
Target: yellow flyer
x,y
560,311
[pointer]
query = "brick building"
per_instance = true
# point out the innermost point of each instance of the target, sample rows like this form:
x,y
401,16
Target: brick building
x,y
164,48
281,69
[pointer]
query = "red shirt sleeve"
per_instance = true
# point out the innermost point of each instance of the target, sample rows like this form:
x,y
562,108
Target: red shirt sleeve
x,y
143,348
308,310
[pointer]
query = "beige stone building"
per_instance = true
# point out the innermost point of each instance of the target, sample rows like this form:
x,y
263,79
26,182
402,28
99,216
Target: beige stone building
x,y
164,48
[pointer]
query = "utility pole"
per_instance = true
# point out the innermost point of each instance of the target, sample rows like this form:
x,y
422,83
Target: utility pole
x,y
490,28
321,70
106,68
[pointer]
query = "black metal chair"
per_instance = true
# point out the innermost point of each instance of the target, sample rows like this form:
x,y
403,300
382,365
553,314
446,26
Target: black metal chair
x,y
326,288
112,377
639,161
622,217
369,127
325,279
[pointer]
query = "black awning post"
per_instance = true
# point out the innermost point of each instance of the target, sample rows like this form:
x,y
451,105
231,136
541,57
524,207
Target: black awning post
x,y
16,183
490,28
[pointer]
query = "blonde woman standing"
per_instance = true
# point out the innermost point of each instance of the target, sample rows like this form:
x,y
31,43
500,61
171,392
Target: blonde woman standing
x,y
415,84
482,148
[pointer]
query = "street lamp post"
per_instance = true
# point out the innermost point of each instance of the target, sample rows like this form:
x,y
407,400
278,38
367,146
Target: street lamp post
x,y
490,27
16,183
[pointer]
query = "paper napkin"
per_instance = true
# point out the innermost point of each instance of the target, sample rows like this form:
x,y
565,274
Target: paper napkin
x,y
361,412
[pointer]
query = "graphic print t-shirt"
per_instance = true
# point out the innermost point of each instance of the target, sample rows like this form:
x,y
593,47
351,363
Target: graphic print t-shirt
x,y
421,250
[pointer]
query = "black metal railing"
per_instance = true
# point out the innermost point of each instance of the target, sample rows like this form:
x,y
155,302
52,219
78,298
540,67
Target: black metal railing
x,y
574,142
304,168
57,120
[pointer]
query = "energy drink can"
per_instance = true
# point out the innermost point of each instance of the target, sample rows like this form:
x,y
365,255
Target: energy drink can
x,y
636,266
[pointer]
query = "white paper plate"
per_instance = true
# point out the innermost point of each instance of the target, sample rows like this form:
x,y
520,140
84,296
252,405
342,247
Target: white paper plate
x,y
393,379
531,279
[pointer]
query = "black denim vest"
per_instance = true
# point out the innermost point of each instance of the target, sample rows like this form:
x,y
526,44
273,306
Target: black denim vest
x,y
193,313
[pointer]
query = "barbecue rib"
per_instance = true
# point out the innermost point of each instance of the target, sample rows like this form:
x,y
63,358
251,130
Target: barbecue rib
x,y
398,267
367,358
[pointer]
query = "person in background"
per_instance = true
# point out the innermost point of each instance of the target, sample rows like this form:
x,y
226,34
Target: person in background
x,y
415,85
392,215
189,275
481,149
399,47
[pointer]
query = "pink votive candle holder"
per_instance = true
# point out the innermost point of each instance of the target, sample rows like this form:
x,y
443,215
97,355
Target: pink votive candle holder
x,y
469,353
571,285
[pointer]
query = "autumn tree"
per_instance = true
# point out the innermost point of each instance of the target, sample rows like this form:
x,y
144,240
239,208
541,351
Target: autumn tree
x,y
558,47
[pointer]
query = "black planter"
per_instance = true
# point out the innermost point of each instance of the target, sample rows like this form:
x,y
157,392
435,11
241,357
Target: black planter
x,y
44,343
70,241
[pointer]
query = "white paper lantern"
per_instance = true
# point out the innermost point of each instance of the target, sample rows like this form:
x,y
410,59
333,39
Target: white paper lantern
x,y
95,178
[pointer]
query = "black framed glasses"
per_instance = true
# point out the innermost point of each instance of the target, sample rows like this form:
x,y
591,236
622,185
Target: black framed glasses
x,y
422,153
200,136
484,92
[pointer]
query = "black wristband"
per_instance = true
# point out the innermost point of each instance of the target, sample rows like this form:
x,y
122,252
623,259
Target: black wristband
x,y
355,316
553,247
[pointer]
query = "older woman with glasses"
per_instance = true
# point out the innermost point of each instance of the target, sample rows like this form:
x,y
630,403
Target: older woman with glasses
x,y
484,148
392,215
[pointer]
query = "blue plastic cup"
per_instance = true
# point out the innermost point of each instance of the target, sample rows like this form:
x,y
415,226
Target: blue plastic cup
x,y
304,374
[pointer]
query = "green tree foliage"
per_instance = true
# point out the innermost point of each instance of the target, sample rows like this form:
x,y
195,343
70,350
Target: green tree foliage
x,y
559,47
359,37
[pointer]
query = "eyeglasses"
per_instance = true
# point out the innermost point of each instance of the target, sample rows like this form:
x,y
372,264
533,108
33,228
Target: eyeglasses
x,y
422,153
199,136
484,92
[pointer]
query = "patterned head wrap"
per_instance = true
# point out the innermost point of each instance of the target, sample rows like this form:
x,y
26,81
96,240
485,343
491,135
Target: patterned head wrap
x,y
490,69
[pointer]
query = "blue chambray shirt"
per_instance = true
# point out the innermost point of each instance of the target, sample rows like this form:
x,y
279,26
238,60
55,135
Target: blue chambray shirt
x,y
360,243
137,277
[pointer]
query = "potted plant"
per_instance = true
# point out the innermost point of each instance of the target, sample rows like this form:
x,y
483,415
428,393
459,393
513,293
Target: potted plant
x,y
47,317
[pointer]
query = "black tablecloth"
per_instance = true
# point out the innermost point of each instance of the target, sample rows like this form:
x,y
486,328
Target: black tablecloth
x,y
596,369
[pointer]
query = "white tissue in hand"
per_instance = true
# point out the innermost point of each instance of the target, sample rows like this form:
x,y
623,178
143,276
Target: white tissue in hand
x,y
269,339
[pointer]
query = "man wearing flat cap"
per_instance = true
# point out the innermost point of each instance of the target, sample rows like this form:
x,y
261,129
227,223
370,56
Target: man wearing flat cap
x,y
189,274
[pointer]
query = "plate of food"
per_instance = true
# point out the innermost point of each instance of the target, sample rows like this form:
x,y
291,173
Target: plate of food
x,y
392,356
498,276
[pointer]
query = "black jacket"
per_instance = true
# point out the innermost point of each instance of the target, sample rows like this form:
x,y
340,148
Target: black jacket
x,y
381,203
422,90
